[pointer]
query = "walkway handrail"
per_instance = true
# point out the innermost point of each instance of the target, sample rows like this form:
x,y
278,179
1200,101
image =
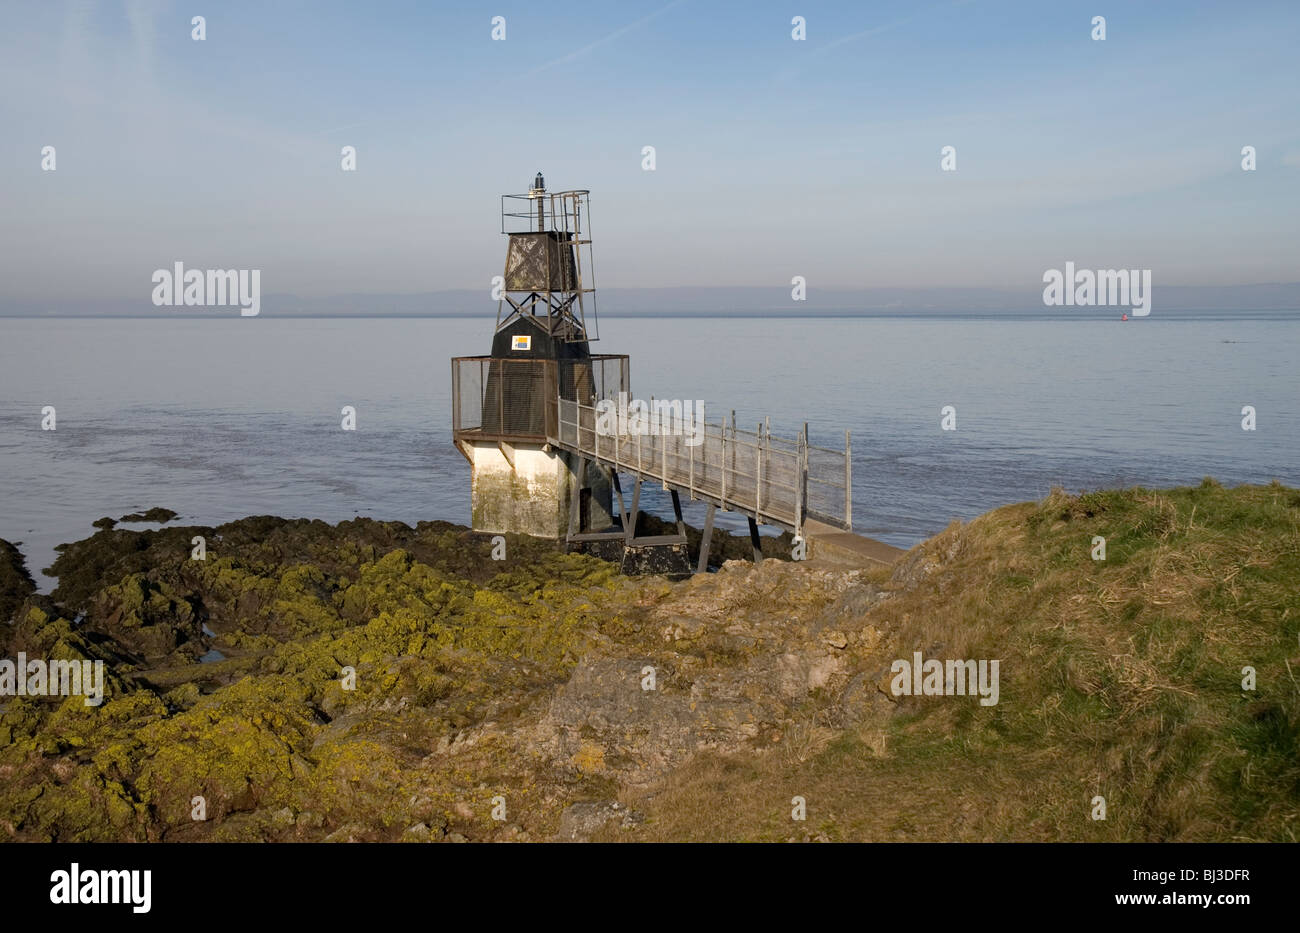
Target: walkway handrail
x,y
775,480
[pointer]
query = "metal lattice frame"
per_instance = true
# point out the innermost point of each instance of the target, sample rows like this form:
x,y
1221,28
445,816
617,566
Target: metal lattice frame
x,y
564,291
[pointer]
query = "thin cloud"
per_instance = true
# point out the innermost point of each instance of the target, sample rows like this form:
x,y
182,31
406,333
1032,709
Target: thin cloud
x,y
786,73
622,31
577,53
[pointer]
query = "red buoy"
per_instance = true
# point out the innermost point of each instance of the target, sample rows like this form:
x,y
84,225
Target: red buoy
x,y
1124,318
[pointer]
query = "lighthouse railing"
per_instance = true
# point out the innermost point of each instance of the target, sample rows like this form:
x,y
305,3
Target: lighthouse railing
x,y
501,399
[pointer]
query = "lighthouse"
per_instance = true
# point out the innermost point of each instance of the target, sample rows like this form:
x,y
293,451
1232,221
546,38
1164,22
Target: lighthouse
x,y
504,405
532,420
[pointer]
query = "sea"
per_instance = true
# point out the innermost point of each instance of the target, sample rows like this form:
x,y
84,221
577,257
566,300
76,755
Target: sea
x,y
220,417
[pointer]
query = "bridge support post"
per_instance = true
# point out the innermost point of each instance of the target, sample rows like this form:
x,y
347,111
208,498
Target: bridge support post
x,y
848,481
706,540
677,513
802,481
622,507
575,499
630,530
754,541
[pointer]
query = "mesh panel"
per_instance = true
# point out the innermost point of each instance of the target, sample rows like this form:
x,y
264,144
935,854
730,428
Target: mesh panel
x,y
502,399
826,479
540,262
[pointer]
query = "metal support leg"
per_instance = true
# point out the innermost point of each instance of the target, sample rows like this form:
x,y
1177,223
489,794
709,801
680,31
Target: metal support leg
x,y
706,540
622,509
630,531
753,539
677,513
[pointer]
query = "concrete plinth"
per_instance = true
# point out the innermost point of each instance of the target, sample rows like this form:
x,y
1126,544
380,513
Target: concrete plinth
x,y
832,545
527,489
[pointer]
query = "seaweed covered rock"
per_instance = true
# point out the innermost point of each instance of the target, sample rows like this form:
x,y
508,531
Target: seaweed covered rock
x,y
349,662
147,619
156,514
16,583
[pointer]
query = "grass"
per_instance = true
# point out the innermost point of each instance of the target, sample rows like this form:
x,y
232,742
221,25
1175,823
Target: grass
x,y
1120,678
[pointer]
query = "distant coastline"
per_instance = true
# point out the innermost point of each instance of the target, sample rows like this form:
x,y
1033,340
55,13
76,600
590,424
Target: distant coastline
x,y
748,315
1041,314
741,301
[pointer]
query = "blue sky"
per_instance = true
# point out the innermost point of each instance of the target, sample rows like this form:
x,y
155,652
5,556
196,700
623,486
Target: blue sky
x,y
774,157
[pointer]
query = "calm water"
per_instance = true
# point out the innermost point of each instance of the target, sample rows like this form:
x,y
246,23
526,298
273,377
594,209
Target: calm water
x,y
227,417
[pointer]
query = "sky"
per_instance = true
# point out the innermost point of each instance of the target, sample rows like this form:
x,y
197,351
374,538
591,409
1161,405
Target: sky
x,y
773,157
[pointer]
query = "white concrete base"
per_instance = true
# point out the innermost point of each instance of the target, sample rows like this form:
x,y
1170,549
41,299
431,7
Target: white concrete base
x,y
532,495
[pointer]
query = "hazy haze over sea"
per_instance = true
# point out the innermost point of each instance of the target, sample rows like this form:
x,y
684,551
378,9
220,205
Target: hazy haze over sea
x,y
219,418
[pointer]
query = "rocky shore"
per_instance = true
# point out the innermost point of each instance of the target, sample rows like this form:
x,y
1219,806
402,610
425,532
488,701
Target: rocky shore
x,y
374,681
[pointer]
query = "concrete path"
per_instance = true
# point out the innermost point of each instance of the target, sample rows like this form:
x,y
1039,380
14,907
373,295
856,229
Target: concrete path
x,y
844,547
